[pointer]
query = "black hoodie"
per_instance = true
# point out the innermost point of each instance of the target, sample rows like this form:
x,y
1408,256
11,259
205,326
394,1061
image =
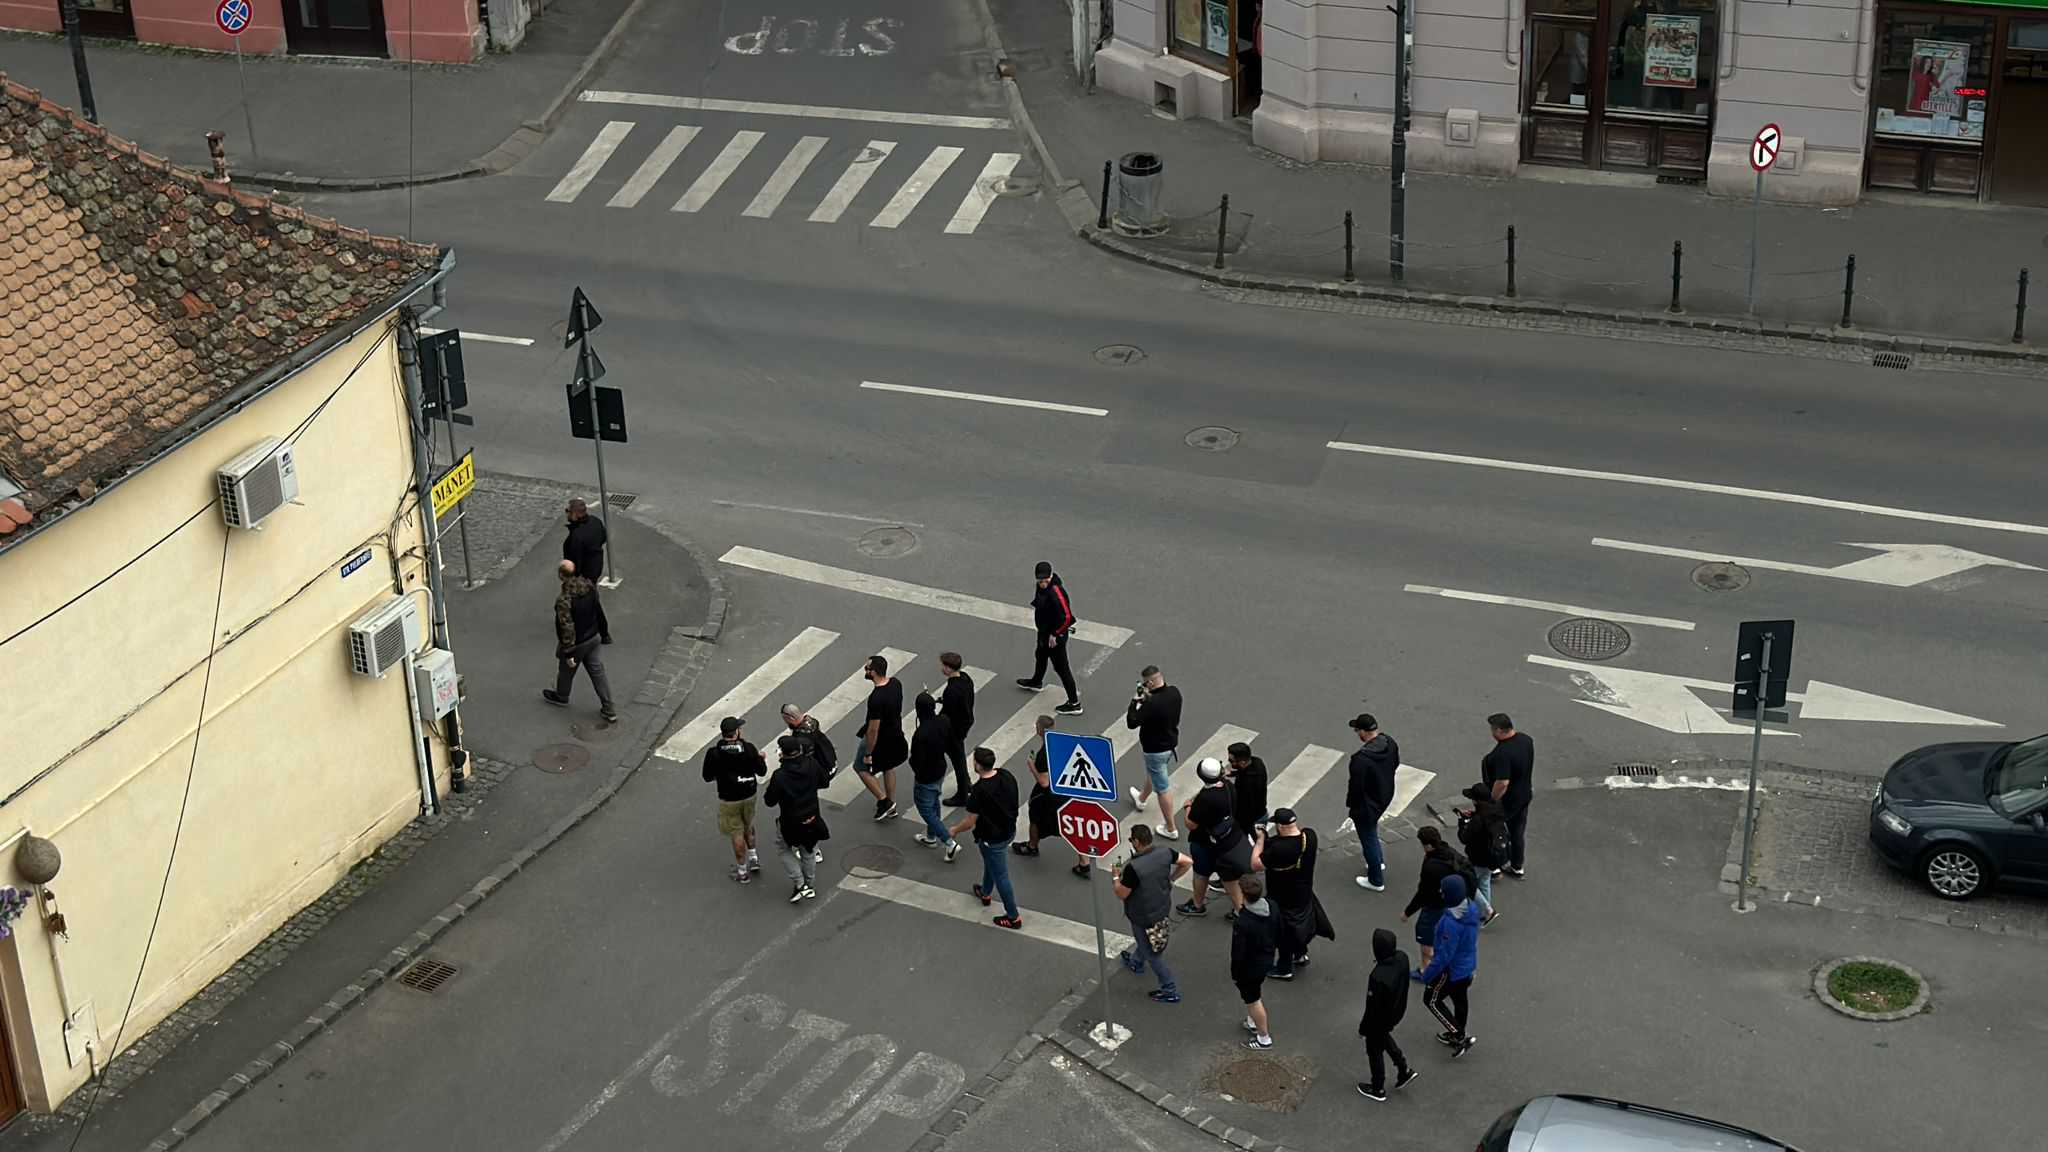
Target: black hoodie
x,y
1386,990
928,745
1485,829
1371,787
737,766
1051,609
1437,863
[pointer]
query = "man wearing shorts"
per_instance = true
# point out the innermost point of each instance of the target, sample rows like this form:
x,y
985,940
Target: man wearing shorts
x,y
1219,846
1155,712
737,767
1251,957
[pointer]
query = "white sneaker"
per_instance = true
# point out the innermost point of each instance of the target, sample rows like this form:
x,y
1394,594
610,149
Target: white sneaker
x,y
817,855
927,841
1366,883
1137,799
1249,1026
1168,833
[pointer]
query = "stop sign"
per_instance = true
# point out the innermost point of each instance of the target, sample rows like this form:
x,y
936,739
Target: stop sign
x,y
1089,828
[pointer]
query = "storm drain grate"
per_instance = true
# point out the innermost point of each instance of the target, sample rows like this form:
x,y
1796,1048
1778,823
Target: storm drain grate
x,y
1637,771
1892,360
428,975
622,499
1589,639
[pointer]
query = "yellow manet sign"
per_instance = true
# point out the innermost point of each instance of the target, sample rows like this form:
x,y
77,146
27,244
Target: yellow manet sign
x,y
454,484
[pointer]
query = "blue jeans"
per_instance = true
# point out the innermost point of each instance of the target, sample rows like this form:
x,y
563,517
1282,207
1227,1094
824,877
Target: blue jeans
x,y
1159,770
1485,893
1368,825
995,875
1142,953
926,796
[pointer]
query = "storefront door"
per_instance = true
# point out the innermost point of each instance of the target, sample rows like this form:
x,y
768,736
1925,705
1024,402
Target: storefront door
x,y
335,27
106,18
1223,36
2019,151
1623,84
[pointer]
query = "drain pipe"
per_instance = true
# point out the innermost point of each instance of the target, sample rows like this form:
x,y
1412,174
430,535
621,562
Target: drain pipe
x,y
1866,15
1731,31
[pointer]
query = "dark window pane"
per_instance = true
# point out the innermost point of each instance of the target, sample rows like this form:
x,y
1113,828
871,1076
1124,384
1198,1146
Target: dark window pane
x,y
350,15
1661,55
1558,53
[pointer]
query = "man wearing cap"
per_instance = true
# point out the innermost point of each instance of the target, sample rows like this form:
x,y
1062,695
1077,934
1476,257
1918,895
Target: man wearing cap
x,y
799,823
584,545
1369,792
1054,615
737,767
1220,848
1288,858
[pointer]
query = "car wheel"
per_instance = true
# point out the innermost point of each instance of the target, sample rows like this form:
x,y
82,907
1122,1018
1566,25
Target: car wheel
x,y
1953,871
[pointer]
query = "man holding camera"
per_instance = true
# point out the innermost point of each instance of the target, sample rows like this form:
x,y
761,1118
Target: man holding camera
x,y
1155,712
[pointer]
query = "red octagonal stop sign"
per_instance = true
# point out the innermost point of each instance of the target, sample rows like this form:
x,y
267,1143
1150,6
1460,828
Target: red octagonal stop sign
x,y
1089,828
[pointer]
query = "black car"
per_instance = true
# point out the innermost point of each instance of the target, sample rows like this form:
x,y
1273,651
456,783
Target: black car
x,y
1964,816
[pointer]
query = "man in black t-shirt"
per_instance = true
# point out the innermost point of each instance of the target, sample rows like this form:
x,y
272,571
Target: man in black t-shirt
x,y
1218,845
992,815
880,747
956,704
1510,771
1247,776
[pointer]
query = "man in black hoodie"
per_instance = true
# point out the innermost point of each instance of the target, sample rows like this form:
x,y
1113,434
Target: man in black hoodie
x,y
1427,905
1369,792
584,546
956,704
928,773
1386,1001
1054,615
799,824
737,767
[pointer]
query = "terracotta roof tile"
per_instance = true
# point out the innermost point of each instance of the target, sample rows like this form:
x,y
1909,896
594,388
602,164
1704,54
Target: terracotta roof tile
x,y
134,294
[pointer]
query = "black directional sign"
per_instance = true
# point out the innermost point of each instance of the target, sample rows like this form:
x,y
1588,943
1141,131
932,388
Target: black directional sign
x,y
611,413
1749,658
444,388
583,319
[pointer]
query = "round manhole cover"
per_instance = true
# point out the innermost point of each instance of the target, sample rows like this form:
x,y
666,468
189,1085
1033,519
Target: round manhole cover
x,y
1720,576
1120,354
560,758
1257,1081
872,860
1214,438
887,543
1588,639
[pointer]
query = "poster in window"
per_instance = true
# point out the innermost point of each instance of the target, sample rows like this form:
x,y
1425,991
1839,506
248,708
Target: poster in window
x,y
1939,68
1187,22
1216,26
1671,51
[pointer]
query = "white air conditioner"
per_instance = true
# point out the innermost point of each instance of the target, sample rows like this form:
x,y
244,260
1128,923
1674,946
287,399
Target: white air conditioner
x,y
257,483
381,638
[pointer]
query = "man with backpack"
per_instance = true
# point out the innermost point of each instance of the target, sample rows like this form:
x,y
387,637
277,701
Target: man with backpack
x,y
1483,830
1427,905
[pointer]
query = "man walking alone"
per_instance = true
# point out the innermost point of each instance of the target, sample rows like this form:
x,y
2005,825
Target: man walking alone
x,y
1386,1001
1447,976
584,545
1054,615
928,774
1369,792
1155,712
799,824
736,766
956,704
1510,770
577,617
1145,885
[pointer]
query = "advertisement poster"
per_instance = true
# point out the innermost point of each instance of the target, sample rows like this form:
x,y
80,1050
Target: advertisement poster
x,y
1671,51
1216,27
1939,68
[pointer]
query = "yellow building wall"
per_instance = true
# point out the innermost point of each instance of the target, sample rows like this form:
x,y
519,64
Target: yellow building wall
x,y
302,767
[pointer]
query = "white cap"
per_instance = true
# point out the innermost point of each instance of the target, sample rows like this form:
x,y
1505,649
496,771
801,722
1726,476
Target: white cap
x,y
1210,769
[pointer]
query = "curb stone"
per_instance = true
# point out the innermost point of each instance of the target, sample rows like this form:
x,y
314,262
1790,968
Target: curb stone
x,y
675,689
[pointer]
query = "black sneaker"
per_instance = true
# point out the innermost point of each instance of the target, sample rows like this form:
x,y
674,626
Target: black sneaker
x,y
956,800
1070,708
554,697
1276,974
1465,1047
1406,1077
1517,873
1372,1093
1447,1039
883,810
1190,908
610,714
796,894
1026,683
1301,961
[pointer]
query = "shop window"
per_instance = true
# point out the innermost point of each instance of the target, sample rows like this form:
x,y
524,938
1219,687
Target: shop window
x,y
1934,79
1660,57
1201,32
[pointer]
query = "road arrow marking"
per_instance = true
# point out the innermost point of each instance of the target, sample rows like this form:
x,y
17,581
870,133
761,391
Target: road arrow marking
x,y
1895,566
1665,701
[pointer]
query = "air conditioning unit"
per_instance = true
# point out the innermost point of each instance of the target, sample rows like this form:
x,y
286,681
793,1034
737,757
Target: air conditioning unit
x,y
381,638
257,483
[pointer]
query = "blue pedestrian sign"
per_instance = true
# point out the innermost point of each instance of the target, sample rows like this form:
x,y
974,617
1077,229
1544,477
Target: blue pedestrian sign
x,y
232,16
1083,767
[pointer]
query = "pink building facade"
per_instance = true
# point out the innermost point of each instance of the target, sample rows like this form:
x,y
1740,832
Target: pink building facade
x,y
446,31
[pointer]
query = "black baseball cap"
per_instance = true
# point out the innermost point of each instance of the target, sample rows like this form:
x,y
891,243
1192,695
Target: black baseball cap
x,y
1043,570
1283,816
1364,722
790,746
730,725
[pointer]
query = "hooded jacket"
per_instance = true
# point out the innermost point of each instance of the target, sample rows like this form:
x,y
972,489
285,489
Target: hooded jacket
x,y
1371,788
1457,935
585,545
576,614
737,766
1386,990
1252,942
817,745
1051,609
1484,829
928,745
793,793
1440,862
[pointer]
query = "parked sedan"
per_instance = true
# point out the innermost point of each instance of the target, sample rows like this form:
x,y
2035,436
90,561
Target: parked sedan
x,y
1963,816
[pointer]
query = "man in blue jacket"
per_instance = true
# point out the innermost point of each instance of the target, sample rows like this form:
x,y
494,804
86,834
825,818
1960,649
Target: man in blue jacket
x,y
1448,978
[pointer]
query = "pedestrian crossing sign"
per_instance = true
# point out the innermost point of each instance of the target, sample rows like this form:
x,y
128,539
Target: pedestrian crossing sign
x,y
1083,767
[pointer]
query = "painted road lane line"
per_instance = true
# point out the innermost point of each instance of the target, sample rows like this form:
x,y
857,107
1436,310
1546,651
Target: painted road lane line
x,y
808,111
1121,736
1666,701
1550,606
653,168
587,165
958,603
484,338
1409,783
1894,566
975,205
912,193
691,738
1694,486
958,904
851,694
787,173
984,398
1302,773
858,172
713,178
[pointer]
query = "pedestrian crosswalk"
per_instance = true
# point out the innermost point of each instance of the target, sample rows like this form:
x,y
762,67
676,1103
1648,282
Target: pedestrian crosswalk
x,y
818,177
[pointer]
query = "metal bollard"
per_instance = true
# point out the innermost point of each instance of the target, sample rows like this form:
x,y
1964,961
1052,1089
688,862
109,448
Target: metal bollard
x,y
1511,261
1677,271
1848,289
1222,222
1102,220
1347,245
2019,314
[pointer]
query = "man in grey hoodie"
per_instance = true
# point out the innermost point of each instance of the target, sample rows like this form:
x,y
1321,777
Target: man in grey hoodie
x,y
1369,793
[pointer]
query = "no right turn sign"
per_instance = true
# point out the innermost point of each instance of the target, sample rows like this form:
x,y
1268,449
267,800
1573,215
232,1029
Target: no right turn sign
x,y
1763,151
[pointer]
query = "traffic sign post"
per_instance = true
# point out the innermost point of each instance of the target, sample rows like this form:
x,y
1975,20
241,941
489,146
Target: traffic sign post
x,y
1763,668
446,389
1082,767
583,390
232,16
1763,152
1091,831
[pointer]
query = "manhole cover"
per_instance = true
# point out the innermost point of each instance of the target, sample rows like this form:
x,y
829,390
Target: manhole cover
x,y
872,860
1257,1081
560,758
1720,576
1587,639
428,975
887,543
1214,438
1120,354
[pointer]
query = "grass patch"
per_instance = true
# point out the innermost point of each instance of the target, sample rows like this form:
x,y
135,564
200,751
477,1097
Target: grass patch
x,y
1872,987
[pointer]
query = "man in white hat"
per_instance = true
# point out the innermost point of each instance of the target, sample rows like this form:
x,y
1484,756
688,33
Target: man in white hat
x,y
1219,846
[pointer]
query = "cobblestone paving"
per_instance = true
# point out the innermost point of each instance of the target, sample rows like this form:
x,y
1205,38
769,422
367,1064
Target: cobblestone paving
x,y
506,516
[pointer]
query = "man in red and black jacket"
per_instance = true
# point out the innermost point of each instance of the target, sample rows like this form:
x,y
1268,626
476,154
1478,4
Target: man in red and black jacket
x,y
1054,614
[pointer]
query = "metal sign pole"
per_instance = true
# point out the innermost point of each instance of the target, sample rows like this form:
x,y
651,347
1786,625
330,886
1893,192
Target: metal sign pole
x,y
604,496
1101,947
1756,747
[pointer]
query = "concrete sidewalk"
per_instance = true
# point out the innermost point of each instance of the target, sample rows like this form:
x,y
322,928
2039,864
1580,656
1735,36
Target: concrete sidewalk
x,y
1923,265
1616,969
533,769
330,124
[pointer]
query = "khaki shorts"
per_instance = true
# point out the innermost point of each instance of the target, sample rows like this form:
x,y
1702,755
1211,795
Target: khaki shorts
x,y
736,817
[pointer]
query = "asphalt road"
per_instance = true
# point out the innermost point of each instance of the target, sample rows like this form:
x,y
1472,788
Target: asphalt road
x,y
1271,580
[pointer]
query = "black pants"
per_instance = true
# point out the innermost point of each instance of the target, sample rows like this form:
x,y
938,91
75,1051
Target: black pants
x,y
1379,1046
956,752
1518,834
1056,652
1446,1000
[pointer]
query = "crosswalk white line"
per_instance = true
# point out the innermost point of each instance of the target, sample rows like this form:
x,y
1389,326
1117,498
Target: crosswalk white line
x,y
710,180
807,111
840,703
1183,783
653,168
691,738
1409,782
1015,734
1302,773
769,198
958,603
974,205
858,172
587,165
959,904
1121,736
913,190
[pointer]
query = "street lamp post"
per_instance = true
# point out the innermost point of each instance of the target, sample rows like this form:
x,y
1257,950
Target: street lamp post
x,y
69,9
